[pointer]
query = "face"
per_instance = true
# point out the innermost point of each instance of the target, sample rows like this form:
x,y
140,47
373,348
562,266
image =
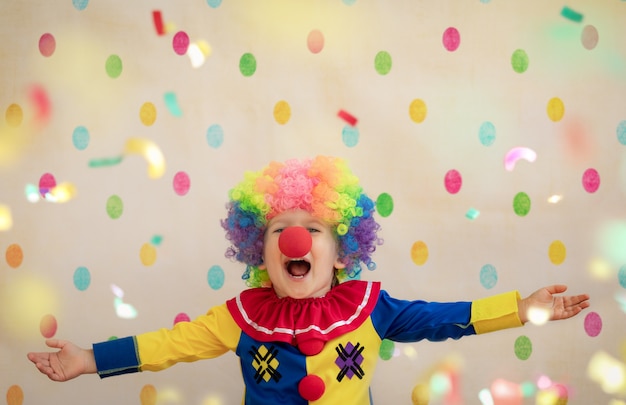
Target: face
x,y
309,276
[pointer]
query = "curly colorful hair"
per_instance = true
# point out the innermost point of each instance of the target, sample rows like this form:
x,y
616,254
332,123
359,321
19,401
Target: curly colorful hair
x,y
323,186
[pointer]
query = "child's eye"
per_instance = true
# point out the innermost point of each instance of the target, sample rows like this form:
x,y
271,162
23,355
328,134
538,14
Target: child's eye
x,y
313,230
279,230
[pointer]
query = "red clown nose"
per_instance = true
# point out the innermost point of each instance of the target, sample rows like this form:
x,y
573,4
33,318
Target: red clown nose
x,y
295,241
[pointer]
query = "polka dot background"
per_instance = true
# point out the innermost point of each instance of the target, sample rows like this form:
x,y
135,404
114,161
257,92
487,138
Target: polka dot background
x,y
430,106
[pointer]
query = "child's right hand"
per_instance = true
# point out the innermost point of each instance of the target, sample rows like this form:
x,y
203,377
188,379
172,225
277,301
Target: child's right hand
x,y
67,363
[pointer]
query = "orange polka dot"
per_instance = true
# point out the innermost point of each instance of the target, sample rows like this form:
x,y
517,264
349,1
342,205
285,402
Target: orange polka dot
x,y
14,255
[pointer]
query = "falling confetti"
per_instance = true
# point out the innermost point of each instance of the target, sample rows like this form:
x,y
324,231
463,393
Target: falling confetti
x,y
137,146
6,220
158,22
347,117
515,154
571,14
472,214
122,309
172,104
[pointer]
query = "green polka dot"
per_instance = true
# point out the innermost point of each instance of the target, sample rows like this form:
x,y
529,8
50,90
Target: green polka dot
x,y
384,205
350,136
115,207
488,276
215,277
519,61
82,278
382,62
386,349
113,66
80,138
523,347
487,133
247,64
521,204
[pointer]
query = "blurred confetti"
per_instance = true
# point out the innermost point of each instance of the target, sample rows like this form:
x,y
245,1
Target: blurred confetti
x,y
515,154
137,146
6,220
608,372
122,309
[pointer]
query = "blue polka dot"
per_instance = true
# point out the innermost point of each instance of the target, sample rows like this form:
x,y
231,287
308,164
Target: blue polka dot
x,y
350,136
215,277
82,278
349,2
621,276
214,3
488,276
80,4
621,132
80,138
215,136
487,133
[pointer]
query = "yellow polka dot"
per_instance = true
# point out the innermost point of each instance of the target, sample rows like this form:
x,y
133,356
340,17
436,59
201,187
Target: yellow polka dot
x,y
557,252
147,254
14,115
147,113
148,395
556,109
419,253
418,110
420,394
282,112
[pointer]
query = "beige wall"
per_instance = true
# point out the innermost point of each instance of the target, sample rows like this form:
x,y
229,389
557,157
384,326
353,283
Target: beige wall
x,y
57,90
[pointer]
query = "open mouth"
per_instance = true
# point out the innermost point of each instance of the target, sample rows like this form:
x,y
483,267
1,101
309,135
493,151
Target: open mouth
x,y
298,268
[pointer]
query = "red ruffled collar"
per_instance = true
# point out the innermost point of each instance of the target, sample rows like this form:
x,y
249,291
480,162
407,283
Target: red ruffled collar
x,y
306,323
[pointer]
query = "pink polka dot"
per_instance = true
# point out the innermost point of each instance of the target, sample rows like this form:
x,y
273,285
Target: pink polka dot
x,y
593,324
180,42
47,44
591,180
451,39
48,326
46,183
182,317
453,181
181,183
315,41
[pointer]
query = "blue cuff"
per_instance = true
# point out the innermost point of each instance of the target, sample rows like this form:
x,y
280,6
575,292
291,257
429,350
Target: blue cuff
x,y
115,357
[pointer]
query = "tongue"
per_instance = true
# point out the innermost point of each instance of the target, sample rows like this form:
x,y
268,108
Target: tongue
x,y
298,268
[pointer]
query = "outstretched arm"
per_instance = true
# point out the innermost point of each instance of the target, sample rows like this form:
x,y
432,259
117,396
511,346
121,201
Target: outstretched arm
x,y
67,363
555,307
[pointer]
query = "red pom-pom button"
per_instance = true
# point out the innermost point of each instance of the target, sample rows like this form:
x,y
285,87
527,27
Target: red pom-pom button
x,y
311,387
295,242
311,347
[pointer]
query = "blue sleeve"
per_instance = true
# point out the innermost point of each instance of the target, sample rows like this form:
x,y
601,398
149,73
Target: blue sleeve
x,y
115,357
411,321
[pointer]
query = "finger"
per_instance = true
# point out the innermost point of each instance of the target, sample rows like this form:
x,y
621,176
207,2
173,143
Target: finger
x,y
55,343
556,288
577,299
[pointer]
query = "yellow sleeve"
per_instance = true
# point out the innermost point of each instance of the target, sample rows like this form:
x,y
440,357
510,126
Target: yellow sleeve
x,y
208,336
496,312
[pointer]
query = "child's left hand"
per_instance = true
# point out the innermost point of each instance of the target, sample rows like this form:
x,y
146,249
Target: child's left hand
x,y
558,307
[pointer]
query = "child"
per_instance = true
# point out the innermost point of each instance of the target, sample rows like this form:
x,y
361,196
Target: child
x,y
305,331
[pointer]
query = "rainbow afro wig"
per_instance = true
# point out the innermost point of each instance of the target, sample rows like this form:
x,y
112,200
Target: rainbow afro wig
x,y
325,187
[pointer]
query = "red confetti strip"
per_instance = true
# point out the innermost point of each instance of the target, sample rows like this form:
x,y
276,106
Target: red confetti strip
x,y
158,22
347,117
42,104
